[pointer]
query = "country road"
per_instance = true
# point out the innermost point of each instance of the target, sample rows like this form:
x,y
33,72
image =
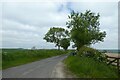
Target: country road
x,y
38,69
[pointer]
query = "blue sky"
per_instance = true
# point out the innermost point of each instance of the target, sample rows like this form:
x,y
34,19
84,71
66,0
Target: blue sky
x,y
25,23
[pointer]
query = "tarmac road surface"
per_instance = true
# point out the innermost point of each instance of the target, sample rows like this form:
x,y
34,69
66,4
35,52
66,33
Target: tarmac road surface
x,y
38,69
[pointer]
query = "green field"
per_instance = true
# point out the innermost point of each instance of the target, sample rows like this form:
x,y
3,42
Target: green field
x,y
15,57
81,66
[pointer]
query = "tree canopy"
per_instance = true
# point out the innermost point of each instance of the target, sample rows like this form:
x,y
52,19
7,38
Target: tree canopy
x,y
84,28
65,43
55,34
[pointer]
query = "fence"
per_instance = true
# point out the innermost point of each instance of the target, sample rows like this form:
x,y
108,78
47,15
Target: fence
x,y
114,60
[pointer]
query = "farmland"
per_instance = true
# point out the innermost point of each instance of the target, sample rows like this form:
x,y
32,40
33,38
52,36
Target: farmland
x,y
15,57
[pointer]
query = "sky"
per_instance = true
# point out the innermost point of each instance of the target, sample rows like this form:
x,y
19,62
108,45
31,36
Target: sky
x,y
25,22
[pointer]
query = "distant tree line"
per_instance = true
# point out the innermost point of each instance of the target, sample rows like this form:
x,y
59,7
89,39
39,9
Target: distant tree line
x,y
83,30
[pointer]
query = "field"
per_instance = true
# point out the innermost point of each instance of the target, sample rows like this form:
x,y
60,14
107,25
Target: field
x,y
0,59
85,67
15,57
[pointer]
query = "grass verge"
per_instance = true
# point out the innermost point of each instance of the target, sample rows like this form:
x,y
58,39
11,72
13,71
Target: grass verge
x,y
85,67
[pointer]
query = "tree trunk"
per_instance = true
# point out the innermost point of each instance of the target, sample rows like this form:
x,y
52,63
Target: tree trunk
x,y
77,48
58,47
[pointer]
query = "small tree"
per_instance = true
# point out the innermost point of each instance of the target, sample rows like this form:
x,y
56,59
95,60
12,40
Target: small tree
x,y
54,35
65,43
84,28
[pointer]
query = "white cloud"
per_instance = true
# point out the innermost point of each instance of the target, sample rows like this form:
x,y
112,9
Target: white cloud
x,y
25,23
59,0
38,14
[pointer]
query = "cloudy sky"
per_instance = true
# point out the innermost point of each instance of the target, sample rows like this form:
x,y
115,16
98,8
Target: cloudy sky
x,y
24,24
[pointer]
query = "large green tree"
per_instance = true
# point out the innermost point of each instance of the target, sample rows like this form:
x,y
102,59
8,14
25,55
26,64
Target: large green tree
x,y
84,28
55,34
65,43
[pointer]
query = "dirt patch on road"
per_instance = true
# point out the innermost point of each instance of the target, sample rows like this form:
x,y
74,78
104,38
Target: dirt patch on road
x,y
61,71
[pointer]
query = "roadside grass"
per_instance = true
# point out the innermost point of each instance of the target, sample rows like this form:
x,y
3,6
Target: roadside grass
x,y
0,59
0,64
15,57
85,67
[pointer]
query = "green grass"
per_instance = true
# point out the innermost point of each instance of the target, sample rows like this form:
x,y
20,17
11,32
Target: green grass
x,y
0,59
15,57
85,67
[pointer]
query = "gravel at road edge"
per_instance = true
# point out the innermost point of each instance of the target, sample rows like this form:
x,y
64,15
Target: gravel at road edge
x,y
61,71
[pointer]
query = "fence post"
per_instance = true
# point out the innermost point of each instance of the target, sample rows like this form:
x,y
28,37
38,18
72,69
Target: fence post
x,y
118,65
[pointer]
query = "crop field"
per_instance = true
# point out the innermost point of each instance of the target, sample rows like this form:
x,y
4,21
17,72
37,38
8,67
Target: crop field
x,y
0,59
15,57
